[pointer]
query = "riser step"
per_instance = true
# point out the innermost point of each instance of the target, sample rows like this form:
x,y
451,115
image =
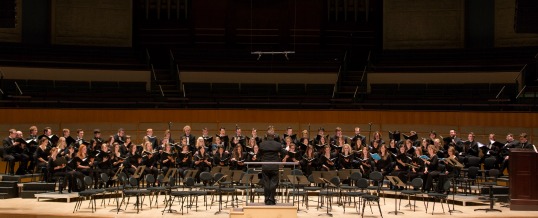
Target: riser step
x,y
38,186
30,194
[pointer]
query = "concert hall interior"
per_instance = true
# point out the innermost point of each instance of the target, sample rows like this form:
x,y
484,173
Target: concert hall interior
x,y
137,108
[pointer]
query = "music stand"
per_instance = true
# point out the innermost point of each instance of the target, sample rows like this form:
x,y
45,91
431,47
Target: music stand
x,y
453,210
296,181
219,182
115,177
169,201
327,183
268,163
139,171
249,177
171,171
396,182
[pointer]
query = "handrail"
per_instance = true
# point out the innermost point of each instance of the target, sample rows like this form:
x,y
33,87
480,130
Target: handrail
x,y
521,92
148,57
363,73
344,63
153,73
337,80
520,72
162,92
500,92
18,88
172,55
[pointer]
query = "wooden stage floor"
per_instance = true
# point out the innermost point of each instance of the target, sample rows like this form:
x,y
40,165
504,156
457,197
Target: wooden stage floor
x,y
17,208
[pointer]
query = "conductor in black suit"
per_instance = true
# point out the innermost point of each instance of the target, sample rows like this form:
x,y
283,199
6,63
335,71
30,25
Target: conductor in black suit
x,y
269,151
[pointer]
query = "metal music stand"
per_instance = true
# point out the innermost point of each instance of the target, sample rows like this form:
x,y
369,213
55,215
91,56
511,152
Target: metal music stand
x,y
396,182
296,181
139,171
170,172
268,163
328,196
219,182
453,210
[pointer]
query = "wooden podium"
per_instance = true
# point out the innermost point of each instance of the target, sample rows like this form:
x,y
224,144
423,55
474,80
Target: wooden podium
x,y
523,179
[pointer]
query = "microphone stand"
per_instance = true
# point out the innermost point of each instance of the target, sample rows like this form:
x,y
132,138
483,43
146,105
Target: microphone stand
x,y
369,132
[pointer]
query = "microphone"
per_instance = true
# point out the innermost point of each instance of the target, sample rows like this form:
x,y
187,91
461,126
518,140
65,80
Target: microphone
x,y
170,123
370,123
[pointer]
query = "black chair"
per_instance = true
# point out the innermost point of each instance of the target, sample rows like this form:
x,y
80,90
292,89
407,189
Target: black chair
x,y
493,173
154,191
88,193
311,189
332,189
369,198
472,175
209,187
439,197
181,195
416,184
298,182
490,163
140,194
360,184
376,177
194,194
108,190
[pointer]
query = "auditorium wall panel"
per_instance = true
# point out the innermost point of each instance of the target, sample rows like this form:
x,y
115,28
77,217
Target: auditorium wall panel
x,y
135,122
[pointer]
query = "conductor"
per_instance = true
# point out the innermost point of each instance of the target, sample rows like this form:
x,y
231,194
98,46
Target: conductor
x,y
269,151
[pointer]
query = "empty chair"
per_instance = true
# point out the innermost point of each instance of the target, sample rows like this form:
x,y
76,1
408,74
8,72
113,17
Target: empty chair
x,y
439,197
416,184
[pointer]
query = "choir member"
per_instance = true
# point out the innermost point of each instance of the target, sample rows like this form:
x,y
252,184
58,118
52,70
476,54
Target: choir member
x,y
202,162
431,170
150,159
168,159
58,168
184,160
42,157
328,160
221,157
309,161
120,137
346,158
237,161
208,140
291,155
365,161
358,137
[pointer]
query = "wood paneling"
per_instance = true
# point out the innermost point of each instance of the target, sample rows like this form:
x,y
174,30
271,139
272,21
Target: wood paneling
x,y
92,22
523,189
505,35
423,24
135,122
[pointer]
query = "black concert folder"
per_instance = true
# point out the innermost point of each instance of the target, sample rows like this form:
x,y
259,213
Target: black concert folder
x,y
396,135
411,137
69,140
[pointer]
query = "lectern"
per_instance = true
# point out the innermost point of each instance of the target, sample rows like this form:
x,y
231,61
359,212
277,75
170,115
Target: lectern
x,y
523,179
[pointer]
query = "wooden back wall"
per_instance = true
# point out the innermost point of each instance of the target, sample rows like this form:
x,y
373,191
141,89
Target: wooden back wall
x,y
135,121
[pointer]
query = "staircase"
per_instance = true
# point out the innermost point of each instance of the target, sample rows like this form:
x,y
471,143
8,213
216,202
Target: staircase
x,y
352,79
9,186
165,82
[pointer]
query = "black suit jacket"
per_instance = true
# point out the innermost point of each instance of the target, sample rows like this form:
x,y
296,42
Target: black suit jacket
x,y
269,151
8,145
